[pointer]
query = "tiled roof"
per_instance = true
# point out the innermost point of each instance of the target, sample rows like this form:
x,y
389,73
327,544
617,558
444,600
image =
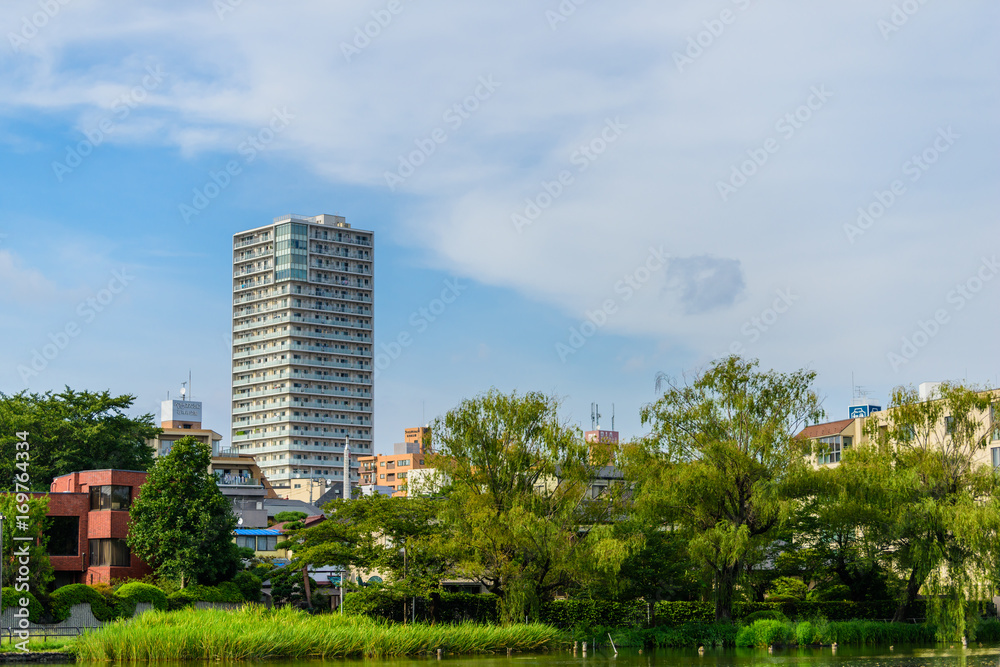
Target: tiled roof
x,y
821,430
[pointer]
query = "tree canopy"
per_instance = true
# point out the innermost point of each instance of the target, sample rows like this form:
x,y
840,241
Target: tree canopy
x,y
72,431
717,460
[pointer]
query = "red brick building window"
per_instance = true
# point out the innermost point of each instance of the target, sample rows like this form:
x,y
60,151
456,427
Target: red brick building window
x,y
64,535
114,552
110,497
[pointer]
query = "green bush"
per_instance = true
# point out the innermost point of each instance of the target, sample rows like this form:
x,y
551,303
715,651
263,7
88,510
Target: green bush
x,y
591,613
106,607
789,588
249,585
766,615
804,633
140,592
12,598
768,632
180,600
227,591
282,517
988,630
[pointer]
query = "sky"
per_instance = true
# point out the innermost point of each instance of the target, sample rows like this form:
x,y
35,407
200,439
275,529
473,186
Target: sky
x,y
604,191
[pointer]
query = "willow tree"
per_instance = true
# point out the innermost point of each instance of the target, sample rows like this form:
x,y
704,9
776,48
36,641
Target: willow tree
x,y
521,506
927,467
716,461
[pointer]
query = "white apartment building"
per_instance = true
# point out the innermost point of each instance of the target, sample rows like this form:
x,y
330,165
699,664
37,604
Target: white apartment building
x,y
302,346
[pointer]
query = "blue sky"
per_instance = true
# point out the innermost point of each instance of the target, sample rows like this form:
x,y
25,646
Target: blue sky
x,y
619,190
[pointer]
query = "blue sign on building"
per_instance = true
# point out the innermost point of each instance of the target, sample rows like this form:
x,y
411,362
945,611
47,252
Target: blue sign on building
x,y
864,410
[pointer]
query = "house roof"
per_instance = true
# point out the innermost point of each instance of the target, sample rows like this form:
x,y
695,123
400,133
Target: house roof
x,y
822,430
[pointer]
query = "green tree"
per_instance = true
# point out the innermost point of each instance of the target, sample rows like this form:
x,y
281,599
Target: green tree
x,y
181,524
72,431
716,463
521,506
39,568
924,469
400,537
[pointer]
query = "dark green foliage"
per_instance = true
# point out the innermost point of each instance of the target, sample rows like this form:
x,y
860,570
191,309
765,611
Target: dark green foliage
x,y
140,592
12,598
282,517
767,615
386,603
72,431
590,613
249,585
988,630
227,592
764,633
105,607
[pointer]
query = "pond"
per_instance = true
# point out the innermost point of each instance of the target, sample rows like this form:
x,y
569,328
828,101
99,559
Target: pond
x,y
808,657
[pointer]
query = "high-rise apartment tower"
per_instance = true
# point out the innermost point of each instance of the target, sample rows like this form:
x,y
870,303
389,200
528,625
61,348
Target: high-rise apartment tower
x,y
302,346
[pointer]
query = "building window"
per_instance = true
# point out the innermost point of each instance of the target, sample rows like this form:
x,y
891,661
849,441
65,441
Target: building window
x,y
829,450
246,541
110,497
113,552
64,535
267,543
996,456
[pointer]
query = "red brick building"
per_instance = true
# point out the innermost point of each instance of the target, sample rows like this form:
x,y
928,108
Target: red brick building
x,y
90,516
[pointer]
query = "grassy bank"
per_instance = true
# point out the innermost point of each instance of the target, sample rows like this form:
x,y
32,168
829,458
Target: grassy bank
x,y
256,633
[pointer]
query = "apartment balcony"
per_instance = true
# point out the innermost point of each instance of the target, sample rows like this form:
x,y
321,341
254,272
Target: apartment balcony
x,y
286,404
243,436
276,335
260,365
301,419
279,391
308,349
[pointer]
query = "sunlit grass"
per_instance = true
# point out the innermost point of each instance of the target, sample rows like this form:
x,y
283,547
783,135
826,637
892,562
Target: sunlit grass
x,y
253,633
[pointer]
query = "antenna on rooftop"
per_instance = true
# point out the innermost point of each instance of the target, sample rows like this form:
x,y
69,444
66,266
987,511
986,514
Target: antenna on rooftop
x,y
612,416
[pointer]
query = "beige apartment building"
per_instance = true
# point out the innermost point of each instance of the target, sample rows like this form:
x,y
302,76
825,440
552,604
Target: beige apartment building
x,y
832,439
302,347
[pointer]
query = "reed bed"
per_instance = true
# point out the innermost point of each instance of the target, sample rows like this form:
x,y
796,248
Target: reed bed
x,y
253,633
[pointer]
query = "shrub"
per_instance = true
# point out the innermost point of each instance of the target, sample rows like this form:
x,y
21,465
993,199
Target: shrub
x,y
804,633
12,598
766,615
767,633
789,588
282,517
988,630
249,585
227,591
180,600
104,607
140,592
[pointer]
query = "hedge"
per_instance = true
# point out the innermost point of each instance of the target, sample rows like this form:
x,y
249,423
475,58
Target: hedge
x,y
227,591
140,592
104,609
12,598
442,607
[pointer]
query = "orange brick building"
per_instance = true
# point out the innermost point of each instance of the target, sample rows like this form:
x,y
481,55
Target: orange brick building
x,y
392,470
89,511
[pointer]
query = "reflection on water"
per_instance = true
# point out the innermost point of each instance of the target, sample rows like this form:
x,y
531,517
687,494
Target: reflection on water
x,y
808,657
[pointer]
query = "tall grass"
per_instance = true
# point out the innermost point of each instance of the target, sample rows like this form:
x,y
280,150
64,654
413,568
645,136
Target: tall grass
x,y
859,633
252,633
